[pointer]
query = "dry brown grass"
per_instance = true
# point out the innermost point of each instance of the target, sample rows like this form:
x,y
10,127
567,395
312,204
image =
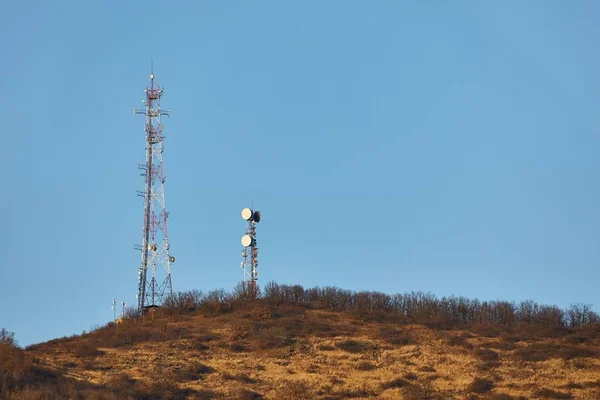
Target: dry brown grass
x,y
299,353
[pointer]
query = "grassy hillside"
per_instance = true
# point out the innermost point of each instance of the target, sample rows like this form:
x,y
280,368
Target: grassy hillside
x,y
236,347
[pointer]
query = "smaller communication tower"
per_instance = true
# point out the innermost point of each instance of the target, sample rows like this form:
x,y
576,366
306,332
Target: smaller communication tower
x,y
114,308
250,250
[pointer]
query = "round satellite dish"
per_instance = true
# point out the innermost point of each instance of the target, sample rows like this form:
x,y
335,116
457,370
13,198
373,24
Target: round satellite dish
x,y
247,240
172,259
256,216
246,213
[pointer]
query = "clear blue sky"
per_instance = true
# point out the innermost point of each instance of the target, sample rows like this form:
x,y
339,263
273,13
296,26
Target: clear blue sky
x,y
451,147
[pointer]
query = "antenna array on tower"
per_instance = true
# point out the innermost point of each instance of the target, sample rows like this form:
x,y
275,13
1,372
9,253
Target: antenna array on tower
x,y
250,250
154,275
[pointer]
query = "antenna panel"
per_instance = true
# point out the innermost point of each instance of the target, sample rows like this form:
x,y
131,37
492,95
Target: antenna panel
x,y
246,214
247,240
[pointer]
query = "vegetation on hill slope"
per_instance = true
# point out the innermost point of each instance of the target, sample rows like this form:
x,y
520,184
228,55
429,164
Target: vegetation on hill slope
x,y
322,343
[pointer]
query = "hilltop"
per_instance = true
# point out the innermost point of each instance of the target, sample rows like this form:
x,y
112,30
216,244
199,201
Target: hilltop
x,y
321,343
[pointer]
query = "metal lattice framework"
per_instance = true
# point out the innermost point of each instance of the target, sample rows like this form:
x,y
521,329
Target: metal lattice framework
x,y
250,252
250,256
154,276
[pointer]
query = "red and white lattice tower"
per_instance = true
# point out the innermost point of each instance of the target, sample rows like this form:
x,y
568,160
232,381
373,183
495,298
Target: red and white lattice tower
x,y
154,276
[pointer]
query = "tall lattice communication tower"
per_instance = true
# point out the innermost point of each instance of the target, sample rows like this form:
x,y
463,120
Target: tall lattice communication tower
x,y
250,250
154,276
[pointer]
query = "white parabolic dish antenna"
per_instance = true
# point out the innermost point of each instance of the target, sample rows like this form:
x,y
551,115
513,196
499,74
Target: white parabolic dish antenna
x,y
246,240
246,213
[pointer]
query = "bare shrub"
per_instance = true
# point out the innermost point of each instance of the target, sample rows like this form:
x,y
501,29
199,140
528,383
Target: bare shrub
x,y
572,385
131,334
123,386
238,377
360,392
551,394
353,346
395,383
261,314
130,313
326,347
500,345
165,387
320,329
490,318
86,349
204,395
199,345
295,390
460,340
240,330
580,365
579,315
194,371
274,337
570,353
184,302
312,369
175,332
215,302
488,330
546,351
503,396
7,338
536,352
489,357
480,385
578,338
237,347
411,376
14,364
528,333
395,337
335,380
245,394
208,337
592,384
245,292
365,366
199,342
416,392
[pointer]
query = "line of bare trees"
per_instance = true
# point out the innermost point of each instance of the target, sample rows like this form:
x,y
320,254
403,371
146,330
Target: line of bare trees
x,y
414,306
